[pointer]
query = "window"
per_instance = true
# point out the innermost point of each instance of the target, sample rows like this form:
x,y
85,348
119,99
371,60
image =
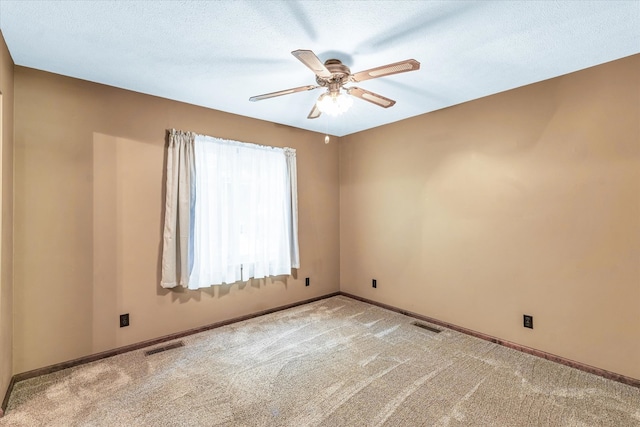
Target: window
x,y
242,213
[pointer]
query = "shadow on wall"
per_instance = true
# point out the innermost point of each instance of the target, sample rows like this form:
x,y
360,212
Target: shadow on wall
x,y
128,220
127,206
184,295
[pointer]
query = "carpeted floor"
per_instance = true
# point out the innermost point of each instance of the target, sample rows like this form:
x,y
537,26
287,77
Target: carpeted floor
x,y
334,362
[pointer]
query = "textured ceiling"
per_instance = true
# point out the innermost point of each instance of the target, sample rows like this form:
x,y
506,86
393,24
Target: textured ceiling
x,y
219,53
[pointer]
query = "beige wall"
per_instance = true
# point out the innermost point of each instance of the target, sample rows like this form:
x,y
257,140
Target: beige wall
x,y
523,202
89,177
6,218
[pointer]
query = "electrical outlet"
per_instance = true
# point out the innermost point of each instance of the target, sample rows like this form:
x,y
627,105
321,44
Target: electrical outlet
x,y
374,283
306,281
124,320
528,321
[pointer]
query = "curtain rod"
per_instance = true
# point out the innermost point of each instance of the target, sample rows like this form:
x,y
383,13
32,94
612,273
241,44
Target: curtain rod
x,y
185,132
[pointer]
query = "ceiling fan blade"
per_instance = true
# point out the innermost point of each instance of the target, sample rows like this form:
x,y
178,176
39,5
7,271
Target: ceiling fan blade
x,y
386,70
371,97
310,59
282,92
315,112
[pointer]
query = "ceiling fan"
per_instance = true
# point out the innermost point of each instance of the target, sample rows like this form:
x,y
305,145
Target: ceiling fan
x,y
333,75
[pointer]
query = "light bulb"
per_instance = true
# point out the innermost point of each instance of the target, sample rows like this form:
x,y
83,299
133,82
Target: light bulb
x,y
334,104
326,139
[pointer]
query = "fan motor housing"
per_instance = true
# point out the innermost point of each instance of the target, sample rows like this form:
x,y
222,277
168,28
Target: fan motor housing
x,y
340,73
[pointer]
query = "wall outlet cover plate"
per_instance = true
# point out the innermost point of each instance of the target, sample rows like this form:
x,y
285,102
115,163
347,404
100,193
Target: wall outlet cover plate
x,y
528,321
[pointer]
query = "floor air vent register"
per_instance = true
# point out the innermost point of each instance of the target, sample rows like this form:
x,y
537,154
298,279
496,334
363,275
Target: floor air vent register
x,y
427,327
164,348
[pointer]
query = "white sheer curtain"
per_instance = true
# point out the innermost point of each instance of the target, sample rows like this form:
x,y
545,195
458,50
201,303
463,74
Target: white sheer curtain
x,y
177,246
244,222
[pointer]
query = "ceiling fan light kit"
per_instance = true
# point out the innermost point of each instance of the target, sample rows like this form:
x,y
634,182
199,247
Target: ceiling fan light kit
x,y
334,75
334,104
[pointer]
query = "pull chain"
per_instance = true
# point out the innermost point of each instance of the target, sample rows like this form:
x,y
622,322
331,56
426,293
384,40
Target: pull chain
x,y
326,129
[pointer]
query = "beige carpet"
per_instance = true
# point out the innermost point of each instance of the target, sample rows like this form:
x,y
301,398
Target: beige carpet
x,y
335,362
